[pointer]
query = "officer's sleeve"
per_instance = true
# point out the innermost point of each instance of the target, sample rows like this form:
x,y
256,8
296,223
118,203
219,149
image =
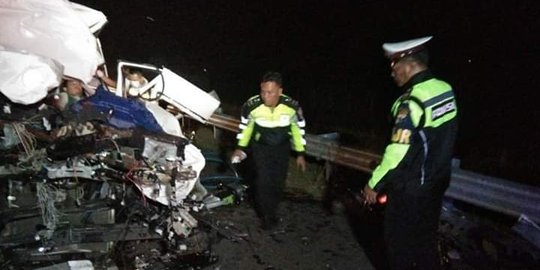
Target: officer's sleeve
x,y
404,125
298,124
246,126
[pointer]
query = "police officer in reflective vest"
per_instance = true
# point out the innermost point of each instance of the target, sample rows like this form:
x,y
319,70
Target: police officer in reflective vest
x,y
416,165
270,123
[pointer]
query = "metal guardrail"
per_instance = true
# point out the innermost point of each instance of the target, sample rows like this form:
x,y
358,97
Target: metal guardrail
x,y
316,147
495,194
492,193
331,151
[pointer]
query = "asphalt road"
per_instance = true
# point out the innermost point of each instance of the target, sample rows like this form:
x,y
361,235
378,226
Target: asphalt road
x,y
308,237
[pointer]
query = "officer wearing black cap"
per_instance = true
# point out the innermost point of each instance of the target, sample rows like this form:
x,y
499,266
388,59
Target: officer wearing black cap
x,y
415,169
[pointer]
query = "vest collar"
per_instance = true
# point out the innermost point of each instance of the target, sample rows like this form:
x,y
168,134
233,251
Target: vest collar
x,y
419,77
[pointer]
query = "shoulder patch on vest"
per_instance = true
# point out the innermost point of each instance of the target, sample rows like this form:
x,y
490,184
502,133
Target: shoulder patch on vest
x,y
253,102
289,102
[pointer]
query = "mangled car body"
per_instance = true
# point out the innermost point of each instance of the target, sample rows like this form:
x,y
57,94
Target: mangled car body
x,y
105,175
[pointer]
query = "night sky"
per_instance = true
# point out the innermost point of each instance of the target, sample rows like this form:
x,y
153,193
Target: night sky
x,y
330,54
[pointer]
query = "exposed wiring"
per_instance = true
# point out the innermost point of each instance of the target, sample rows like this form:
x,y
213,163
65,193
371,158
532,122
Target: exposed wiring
x,y
46,195
27,139
115,144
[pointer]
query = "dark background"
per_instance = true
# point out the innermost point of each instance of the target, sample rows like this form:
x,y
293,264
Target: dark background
x,y
330,54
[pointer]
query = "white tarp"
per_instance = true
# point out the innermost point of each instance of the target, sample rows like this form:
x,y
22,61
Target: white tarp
x,y
55,29
165,119
35,74
95,20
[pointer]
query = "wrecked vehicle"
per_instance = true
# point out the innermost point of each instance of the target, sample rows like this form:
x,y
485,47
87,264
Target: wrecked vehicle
x,y
109,181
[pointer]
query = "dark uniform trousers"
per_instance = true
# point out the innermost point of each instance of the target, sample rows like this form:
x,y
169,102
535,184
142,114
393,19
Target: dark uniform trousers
x,y
271,166
411,225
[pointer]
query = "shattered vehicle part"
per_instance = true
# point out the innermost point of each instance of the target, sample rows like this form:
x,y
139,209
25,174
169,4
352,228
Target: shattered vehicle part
x,y
173,89
90,203
111,179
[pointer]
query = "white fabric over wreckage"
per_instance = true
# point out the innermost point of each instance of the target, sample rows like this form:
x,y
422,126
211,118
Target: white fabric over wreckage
x,y
56,30
31,73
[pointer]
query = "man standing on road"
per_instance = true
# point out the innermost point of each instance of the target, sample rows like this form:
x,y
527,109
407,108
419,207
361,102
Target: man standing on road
x,y
270,123
416,166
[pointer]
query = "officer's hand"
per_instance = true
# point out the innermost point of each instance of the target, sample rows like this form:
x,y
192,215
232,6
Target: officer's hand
x,y
370,195
301,163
